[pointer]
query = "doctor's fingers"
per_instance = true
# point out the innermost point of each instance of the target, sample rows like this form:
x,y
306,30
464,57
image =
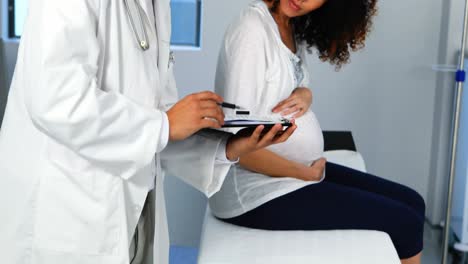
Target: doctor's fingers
x,y
282,137
269,137
210,104
213,113
208,122
207,95
285,135
255,137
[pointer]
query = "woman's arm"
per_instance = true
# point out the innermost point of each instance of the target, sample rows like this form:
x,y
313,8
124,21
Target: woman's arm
x,y
268,163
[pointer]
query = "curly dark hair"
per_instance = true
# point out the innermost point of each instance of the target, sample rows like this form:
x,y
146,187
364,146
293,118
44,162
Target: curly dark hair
x,y
336,28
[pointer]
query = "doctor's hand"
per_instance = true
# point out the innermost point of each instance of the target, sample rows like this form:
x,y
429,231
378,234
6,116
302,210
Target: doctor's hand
x,y
239,145
298,102
193,113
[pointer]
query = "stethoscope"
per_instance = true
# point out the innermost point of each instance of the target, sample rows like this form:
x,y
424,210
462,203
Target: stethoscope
x,y
143,43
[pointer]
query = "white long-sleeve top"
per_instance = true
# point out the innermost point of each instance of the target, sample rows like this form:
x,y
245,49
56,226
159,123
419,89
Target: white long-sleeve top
x,y
256,70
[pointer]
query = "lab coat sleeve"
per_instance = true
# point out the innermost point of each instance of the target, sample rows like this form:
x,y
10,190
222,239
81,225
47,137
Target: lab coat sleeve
x,y
221,156
196,160
67,104
200,160
241,70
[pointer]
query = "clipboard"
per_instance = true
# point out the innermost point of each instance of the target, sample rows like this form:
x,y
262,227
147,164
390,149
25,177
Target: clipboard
x,y
249,121
248,124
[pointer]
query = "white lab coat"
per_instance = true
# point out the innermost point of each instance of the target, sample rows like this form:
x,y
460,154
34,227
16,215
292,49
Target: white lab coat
x,y
80,134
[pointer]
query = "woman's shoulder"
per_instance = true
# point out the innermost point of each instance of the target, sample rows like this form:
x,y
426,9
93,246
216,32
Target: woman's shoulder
x,y
251,21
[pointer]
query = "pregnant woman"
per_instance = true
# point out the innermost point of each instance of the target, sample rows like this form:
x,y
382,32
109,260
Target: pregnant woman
x,y
290,186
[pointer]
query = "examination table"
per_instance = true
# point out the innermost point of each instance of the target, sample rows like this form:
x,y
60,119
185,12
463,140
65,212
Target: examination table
x,y
223,243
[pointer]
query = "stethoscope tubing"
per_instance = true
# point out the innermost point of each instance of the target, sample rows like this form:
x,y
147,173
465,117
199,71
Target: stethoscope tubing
x,y
143,44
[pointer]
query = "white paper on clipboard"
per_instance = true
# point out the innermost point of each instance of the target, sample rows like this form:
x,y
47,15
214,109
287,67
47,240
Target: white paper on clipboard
x,y
253,120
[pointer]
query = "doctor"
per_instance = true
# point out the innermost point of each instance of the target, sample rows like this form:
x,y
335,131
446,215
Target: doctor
x,y
90,122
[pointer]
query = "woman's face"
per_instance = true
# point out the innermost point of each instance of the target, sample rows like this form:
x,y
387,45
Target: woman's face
x,y
296,8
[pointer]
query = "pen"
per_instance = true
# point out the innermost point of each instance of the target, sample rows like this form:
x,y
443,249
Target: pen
x,y
229,105
233,106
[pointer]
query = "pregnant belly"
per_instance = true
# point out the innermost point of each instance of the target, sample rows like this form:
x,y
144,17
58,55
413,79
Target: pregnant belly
x,y
306,144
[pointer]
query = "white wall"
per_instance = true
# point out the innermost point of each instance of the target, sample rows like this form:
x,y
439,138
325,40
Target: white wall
x,y
7,66
2,69
386,95
1,18
450,41
10,49
7,57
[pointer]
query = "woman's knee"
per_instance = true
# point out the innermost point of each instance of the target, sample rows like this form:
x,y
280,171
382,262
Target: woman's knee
x,y
417,202
406,231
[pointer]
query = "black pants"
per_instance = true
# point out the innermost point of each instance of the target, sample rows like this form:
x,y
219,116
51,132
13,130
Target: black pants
x,y
346,199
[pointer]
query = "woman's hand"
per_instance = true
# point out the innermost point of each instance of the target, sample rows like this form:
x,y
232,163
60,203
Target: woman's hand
x,y
298,102
239,145
314,172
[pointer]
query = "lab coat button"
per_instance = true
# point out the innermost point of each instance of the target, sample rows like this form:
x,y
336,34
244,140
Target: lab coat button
x,y
137,208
